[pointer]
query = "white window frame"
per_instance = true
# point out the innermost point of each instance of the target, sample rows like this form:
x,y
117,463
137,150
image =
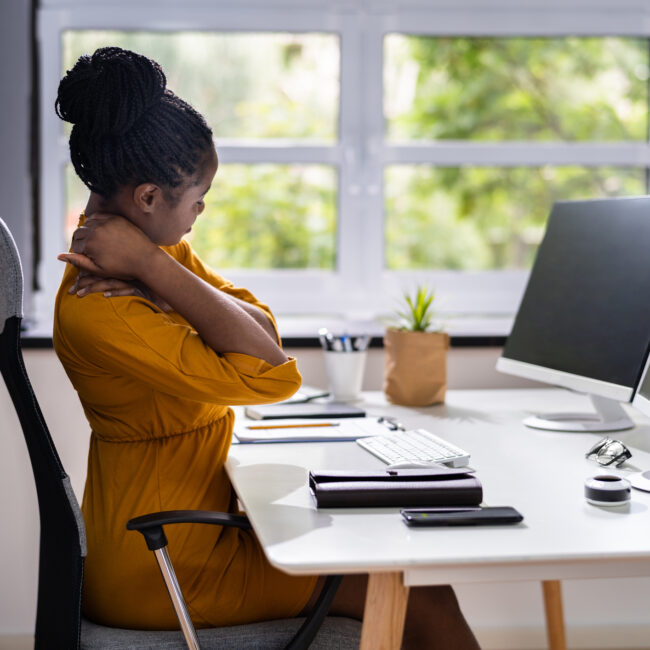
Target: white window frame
x,y
360,287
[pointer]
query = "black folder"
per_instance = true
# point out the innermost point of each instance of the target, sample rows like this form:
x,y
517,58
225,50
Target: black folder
x,y
404,488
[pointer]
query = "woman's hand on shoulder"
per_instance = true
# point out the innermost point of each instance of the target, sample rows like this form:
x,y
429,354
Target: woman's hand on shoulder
x,y
110,246
87,283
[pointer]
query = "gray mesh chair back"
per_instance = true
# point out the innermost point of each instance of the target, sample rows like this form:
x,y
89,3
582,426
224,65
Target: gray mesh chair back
x,y
62,543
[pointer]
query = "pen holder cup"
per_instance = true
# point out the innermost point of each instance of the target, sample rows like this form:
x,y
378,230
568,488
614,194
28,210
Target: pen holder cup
x,y
345,374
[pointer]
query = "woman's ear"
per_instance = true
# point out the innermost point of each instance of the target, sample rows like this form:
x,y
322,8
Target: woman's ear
x,y
146,197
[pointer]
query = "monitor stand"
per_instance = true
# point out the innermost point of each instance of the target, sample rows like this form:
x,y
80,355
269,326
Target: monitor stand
x,y
609,416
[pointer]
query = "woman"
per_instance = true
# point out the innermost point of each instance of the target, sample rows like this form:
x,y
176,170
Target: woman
x,y
157,350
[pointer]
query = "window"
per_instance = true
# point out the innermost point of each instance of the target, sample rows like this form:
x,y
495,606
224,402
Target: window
x,y
372,146
538,90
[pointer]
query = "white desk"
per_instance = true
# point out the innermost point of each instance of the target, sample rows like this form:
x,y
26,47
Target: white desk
x,y
539,473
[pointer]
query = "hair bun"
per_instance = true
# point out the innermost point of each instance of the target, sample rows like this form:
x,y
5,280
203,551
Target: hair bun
x,y
108,92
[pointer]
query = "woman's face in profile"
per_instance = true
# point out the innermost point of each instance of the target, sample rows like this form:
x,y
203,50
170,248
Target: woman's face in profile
x,y
174,220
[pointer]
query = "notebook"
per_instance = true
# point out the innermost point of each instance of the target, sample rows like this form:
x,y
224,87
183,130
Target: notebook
x,y
304,410
303,430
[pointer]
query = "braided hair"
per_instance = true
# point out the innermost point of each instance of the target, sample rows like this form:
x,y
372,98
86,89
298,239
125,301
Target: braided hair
x,y
128,127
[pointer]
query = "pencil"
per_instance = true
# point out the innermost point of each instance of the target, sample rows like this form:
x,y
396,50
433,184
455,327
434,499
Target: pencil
x,y
294,426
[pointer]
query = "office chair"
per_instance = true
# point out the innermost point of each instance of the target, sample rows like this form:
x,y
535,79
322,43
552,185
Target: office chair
x,y
59,622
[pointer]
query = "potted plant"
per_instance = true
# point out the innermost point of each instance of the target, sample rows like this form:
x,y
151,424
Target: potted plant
x,y
415,353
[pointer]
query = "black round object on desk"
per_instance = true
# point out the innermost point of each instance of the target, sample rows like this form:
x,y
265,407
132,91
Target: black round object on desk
x,y
607,490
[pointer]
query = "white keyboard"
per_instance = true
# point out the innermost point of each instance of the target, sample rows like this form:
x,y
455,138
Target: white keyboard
x,y
416,445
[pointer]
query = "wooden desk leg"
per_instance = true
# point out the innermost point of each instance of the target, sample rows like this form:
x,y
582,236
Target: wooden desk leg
x,y
554,615
383,618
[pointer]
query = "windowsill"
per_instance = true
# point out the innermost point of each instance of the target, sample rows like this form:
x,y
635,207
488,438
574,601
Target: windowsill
x,y
457,326
302,331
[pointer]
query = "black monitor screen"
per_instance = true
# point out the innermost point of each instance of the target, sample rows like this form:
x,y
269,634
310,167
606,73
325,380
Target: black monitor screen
x,y
586,309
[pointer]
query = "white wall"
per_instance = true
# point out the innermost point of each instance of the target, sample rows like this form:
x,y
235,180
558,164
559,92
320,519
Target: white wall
x,y
599,613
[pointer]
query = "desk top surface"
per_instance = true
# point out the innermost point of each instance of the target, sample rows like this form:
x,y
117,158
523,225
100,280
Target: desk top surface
x,y
540,473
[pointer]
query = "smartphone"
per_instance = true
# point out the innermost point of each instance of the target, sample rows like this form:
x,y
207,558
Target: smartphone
x,y
470,516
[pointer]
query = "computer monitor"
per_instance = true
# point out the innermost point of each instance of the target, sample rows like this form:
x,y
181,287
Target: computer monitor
x,y
584,320
642,396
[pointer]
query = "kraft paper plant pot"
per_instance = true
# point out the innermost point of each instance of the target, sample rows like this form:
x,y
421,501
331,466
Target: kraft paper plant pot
x,y
415,367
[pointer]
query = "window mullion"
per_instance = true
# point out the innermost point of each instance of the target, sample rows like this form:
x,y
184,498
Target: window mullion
x,y
372,134
452,153
286,153
351,245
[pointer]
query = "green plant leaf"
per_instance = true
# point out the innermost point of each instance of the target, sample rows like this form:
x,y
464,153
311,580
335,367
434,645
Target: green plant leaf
x,y
418,316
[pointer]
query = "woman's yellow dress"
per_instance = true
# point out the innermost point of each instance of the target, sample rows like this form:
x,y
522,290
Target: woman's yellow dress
x,y
156,397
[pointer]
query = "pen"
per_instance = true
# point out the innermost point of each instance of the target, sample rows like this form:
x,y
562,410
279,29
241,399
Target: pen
x,y
293,426
361,342
326,338
304,400
337,344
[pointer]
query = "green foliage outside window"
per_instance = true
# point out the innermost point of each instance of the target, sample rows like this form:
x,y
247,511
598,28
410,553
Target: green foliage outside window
x,y
481,218
269,217
247,85
503,89
562,89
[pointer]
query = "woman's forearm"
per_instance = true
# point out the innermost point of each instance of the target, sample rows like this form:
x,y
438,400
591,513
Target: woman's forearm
x,y
219,320
260,317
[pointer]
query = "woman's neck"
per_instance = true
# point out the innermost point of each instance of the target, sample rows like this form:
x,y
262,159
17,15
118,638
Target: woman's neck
x,y
97,203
